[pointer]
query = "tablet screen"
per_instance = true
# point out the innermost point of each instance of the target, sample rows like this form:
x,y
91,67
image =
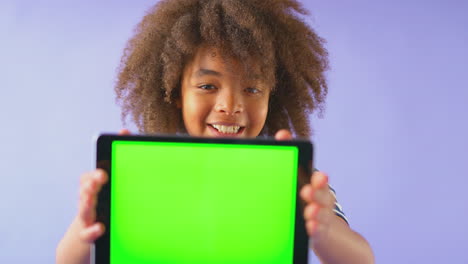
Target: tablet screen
x,y
188,202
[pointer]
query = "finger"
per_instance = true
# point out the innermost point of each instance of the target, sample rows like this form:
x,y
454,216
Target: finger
x,y
283,134
85,177
316,230
306,193
91,233
312,227
92,182
100,176
319,180
311,211
317,213
87,187
88,195
323,196
124,132
86,211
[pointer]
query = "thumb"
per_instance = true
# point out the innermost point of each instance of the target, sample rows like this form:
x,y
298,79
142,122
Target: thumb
x,y
283,134
124,132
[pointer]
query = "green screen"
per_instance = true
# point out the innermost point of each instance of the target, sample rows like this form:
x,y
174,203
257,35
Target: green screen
x,y
202,203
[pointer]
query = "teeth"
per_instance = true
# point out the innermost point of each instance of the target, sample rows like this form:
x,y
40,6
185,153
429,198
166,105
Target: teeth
x,y
227,129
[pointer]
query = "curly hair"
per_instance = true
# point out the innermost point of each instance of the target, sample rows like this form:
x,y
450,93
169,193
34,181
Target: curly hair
x,y
291,57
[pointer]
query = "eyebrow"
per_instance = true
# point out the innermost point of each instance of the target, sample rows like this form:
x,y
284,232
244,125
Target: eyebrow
x,y
202,72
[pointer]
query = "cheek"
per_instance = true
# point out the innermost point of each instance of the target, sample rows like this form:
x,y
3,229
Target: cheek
x,y
261,114
194,113
258,114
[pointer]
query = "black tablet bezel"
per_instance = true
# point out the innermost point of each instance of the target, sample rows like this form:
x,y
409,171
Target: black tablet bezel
x,y
103,161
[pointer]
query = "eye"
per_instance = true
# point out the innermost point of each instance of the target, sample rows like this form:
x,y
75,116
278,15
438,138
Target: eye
x,y
252,90
207,87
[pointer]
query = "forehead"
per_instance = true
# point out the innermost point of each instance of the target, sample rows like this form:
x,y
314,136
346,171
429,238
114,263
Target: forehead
x,y
210,58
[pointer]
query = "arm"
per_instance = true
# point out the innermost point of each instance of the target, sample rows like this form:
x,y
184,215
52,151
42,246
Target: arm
x,y
331,238
342,245
74,248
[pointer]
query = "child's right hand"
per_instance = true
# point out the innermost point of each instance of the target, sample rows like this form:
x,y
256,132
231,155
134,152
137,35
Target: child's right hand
x,y
90,185
84,230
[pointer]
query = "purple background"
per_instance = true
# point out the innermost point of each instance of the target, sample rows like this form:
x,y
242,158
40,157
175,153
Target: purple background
x,y
394,137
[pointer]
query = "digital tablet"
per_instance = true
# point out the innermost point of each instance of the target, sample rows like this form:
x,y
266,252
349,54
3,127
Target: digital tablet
x,y
177,200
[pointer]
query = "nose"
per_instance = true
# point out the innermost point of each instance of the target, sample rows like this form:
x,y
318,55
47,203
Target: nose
x,y
229,102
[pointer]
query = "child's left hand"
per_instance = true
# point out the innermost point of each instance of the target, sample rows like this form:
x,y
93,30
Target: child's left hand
x,y
318,211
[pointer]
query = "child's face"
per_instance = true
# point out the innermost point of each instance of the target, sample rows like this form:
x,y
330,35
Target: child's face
x,y
218,99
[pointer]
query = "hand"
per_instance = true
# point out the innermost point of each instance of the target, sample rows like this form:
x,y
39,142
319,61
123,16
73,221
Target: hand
x,y
90,185
318,211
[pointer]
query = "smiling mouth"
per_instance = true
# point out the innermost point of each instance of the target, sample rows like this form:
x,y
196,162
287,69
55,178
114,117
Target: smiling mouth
x,y
227,129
